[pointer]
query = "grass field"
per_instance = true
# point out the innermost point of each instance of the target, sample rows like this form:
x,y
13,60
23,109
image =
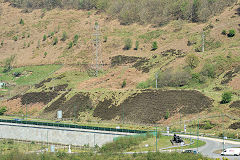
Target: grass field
x,y
29,75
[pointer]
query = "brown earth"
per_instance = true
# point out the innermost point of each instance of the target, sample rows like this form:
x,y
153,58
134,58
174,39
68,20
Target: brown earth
x,y
151,106
235,104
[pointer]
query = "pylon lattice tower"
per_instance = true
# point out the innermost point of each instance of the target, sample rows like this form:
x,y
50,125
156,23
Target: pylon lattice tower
x,y
97,56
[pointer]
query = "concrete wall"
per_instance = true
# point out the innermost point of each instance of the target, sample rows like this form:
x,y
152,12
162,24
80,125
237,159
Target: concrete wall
x,y
60,135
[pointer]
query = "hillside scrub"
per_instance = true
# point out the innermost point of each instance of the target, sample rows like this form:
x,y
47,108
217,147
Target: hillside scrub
x,y
145,11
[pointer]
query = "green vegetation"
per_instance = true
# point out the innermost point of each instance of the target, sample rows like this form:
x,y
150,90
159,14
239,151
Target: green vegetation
x,y
70,44
32,74
15,38
105,39
167,115
136,45
124,83
44,37
128,44
45,54
154,46
64,36
55,41
3,110
75,39
2,42
226,97
151,35
21,22
224,32
231,33
192,61
16,155
8,64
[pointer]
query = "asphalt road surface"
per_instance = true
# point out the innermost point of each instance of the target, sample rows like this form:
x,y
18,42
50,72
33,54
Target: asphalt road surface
x,y
214,144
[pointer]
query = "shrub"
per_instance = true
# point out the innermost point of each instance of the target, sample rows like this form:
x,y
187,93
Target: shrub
x,y
55,41
75,39
208,70
226,97
154,46
224,32
173,78
3,110
231,33
136,45
8,64
124,83
21,21
44,37
166,115
70,44
192,61
2,43
198,78
128,44
45,54
105,39
15,38
64,36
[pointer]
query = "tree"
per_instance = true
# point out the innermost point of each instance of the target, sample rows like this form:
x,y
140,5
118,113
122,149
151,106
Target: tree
x,y
136,45
154,46
3,110
44,37
226,97
55,41
192,61
21,21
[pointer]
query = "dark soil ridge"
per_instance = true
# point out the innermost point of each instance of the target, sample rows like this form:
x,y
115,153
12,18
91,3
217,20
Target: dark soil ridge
x,y
151,106
80,102
234,126
230,75
235,104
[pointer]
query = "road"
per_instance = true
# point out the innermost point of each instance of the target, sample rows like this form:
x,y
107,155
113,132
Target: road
x,y
214,144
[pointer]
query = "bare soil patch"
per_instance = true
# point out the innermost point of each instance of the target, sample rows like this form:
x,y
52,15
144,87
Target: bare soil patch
x,y
151,106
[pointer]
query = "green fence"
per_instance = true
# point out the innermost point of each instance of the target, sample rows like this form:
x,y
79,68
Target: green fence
x,y
71,126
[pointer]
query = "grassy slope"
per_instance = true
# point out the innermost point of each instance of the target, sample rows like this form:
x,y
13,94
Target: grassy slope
x,y
30,49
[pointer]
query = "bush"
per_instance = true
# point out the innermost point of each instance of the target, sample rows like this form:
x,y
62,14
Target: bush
x,y
15,38
208,70
8,64
64,36
226,97
75,39
45,54
231,33
192,61
21,21
44,37
124,83
198,78
105,39
55,41
224,32
136,45
171,78
166,115
2,43
128,44
3,110
70,44
154,46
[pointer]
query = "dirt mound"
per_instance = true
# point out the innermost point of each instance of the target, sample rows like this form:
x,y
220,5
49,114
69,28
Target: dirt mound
x,y
78,103
235,104
151,106
39,85
234,126
38,97
138,62
230,75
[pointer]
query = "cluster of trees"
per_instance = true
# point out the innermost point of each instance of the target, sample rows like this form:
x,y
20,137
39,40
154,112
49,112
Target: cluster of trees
x,y
138,11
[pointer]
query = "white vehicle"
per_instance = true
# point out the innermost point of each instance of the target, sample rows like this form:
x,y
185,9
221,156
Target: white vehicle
x,y
231,152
